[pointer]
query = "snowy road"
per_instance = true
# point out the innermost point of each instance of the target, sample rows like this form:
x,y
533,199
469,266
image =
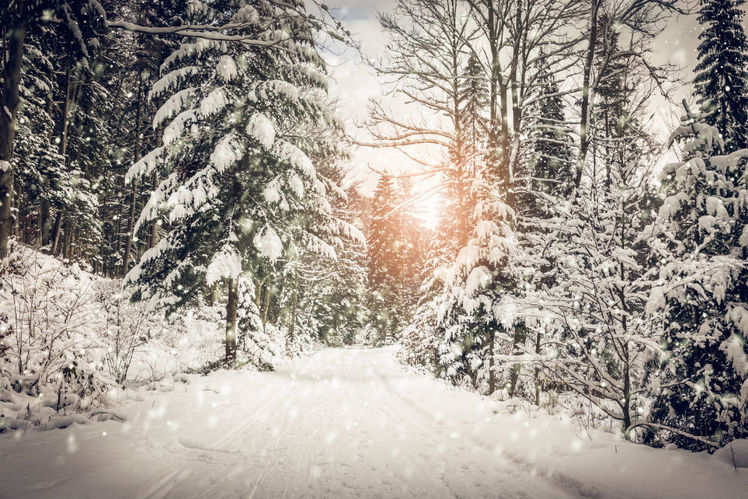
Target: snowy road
x,y
339,423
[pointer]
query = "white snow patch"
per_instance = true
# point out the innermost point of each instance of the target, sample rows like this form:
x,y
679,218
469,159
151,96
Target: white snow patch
x,y
479,278
227,152
227,263
297,186
734,454
271,193
226,67
735,353
261,128
269,244
173,105
213,103
296,158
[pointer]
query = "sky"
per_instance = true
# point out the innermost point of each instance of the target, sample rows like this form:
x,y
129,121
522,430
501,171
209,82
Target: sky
x,y
354,82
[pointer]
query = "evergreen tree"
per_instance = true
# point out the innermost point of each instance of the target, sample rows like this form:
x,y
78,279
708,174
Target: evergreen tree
x,y
385,247
702,247
474,97
239,189
722,71
550,137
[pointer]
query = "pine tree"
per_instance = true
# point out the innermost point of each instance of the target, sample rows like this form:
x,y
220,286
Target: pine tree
x,y
239,189
702,247
722,71
550,138
474,97
41,182
81,21
385,246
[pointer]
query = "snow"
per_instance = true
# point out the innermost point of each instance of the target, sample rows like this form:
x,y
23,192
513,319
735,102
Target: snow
x,y
174,104
744,237
297,186
734,454
261,129
345,423
145,165
227,152
271,192
246,14
175,129
226,263
478,279
213,103
269,244
226,68
733,348
171,79
296,158
4,166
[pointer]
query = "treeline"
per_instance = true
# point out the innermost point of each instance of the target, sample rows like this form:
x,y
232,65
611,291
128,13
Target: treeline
x,y
567,261
190,149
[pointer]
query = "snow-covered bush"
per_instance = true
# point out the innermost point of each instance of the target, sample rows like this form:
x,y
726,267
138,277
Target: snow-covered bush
x,y
127,327
46,310
49,360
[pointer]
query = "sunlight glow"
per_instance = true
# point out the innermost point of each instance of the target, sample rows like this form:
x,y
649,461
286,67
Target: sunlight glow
x,y
428,209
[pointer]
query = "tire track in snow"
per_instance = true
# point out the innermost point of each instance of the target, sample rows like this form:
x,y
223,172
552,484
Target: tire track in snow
x,y
421,415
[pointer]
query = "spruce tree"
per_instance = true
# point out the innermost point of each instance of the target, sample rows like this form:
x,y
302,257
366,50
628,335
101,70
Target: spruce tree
x,y
239,128
722,71
702,249
385,247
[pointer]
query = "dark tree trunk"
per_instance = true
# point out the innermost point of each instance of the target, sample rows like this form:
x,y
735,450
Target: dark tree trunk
x,y
9,101
231,314
491,374
134,193
584,141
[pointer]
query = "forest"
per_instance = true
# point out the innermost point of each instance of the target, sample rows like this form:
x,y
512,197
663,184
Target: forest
x,y
176,190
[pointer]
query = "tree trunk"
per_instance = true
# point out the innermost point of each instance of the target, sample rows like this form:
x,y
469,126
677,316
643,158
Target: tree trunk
x,y
584,141
518,338
9,104
537,370
67,222
69,238
154,227
266,307
56,234
44,223
491,374
231,314
134,198
130,226
292,326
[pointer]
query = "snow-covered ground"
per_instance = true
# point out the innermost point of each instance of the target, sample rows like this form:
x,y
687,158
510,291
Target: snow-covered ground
x,y
343,423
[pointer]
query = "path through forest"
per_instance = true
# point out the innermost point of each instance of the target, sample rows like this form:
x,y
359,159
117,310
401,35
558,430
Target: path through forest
x,y
338,423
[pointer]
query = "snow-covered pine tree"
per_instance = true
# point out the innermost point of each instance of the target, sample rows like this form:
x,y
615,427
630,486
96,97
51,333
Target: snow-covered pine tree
x,y
702,249
722,71
80,21
385,247
238,183
549,136
67,50
474,99
40,175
